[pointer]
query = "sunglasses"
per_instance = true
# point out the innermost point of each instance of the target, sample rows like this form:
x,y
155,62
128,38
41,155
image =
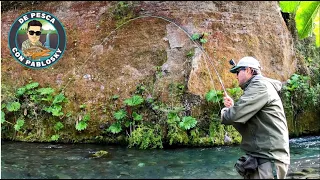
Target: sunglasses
x,y
37,33
240,69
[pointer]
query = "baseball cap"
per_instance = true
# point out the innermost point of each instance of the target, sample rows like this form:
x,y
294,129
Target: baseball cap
x,y
247,61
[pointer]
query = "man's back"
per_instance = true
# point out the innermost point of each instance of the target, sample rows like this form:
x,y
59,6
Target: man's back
x,y
259,117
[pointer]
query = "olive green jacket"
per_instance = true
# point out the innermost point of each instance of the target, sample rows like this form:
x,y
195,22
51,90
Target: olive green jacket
x,y
259,117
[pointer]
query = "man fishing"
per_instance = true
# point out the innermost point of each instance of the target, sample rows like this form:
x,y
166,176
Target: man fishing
x,y
260,119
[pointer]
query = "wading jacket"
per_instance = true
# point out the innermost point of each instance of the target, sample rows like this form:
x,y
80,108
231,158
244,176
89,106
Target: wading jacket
x,y
259,117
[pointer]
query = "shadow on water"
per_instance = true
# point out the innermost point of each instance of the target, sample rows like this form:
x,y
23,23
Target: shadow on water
x,y
21,160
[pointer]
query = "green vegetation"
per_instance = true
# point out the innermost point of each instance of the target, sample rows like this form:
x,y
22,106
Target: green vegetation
x,y
9,5
33,104
300,95
301,92
190,53
122,12
201,38
171,127
307,17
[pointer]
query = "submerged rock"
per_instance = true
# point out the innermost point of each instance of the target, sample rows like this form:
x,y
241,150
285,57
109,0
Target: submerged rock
x,y
100,154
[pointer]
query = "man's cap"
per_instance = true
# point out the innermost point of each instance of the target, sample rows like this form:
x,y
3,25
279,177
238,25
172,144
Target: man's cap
x,y
247,61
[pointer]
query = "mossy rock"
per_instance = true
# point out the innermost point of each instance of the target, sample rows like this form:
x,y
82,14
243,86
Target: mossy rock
x,y
297,173
100,154
308,170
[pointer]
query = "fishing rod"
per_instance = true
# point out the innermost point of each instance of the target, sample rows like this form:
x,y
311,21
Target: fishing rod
x,y
226,138
166,19
199,46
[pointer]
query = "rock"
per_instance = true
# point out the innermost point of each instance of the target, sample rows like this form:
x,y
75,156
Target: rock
x,y
100,154
298,173
308,170
313,176
141,164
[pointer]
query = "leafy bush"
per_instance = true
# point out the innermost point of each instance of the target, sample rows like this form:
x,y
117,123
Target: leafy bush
x,y
32,103
145,137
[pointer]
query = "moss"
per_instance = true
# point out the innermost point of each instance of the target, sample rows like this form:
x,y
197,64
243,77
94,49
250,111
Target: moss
x,y
9,5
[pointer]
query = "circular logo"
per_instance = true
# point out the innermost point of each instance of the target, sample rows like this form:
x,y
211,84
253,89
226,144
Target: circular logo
x,y
37,39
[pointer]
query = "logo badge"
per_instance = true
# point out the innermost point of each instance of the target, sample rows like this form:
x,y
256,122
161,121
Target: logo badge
x,y
37,39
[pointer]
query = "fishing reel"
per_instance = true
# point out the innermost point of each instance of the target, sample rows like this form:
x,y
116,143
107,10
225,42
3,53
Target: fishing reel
x,y
232,62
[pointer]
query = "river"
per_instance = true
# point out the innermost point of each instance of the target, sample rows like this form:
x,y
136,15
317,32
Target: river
x,y
22,160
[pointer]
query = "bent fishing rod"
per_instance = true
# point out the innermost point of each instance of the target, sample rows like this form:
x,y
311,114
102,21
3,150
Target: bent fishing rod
x,y
166,19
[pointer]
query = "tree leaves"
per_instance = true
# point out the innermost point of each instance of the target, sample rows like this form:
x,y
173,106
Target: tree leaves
x,y
306,17
316,29
289,6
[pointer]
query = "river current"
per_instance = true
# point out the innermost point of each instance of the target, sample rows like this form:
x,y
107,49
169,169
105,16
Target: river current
x,y
21,160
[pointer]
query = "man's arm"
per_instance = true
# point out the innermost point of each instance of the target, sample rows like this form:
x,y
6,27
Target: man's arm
x,y
253,99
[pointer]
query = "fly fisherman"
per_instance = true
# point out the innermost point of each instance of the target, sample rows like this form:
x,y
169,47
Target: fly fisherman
x,y
260,119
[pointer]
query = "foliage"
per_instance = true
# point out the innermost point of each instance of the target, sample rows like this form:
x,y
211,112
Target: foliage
x,y
299,94
216,130
298,87
214,96
57,127
201,38
128,117
307,17
31,103
187,123
190,53
145,137
122,12
13,106
19,124
115,128
9,5
82,123
235,93
177,129
134,101
121,114
3,119
177,135
55,137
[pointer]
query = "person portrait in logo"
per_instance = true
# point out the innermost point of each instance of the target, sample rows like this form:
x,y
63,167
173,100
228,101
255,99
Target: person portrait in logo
x,y
32,47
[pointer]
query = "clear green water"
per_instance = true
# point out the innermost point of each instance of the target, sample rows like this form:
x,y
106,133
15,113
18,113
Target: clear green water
x,y
20,160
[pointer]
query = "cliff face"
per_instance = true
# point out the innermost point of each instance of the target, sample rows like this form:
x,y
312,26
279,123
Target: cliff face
x,y
104,57
235,29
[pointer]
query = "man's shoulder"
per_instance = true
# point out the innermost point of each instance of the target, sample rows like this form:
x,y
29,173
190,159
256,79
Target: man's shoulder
x,y
265,81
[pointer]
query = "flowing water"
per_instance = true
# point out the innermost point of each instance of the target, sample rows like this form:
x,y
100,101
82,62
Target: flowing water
x,y
21,160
